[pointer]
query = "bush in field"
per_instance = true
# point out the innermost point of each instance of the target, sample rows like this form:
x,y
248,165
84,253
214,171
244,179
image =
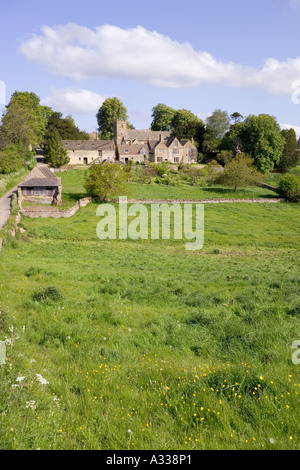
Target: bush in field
x,y
194,174
162,169
289,187
105,179
47,294
239,172
149,172
212,171
224,157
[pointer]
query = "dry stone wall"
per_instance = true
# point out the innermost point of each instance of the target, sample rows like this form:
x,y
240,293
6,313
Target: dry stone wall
x,y
52,211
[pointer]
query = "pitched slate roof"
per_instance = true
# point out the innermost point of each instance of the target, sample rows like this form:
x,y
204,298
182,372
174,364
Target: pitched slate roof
x,y
146,134
88,144
38,182
41,175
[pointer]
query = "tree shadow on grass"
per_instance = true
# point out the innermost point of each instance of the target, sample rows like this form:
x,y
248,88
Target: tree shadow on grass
x,y
245,192
74,196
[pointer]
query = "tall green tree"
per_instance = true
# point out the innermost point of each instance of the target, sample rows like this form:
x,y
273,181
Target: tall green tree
x,y
55,154
186,125
218,123
66,127
290,156
20,126
111,110
31,101
261,138
236,117
216,127
162,117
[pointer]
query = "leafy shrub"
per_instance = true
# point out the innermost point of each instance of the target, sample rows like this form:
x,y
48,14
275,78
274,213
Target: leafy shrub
x,y
46,294
162,169
294,195
167,180
289,187
32,271
11,159
105,179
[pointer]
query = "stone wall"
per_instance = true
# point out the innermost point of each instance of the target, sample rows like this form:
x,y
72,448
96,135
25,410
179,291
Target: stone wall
x,y
52,211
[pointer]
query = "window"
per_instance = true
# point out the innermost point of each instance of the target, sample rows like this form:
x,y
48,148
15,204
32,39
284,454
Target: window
x,y
176,159
159,159
175,151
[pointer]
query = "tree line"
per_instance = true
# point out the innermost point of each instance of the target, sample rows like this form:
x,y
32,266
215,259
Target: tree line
x,y
26,124
221,136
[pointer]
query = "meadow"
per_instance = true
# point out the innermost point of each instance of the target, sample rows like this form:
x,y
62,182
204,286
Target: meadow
x,y
178,189
130,344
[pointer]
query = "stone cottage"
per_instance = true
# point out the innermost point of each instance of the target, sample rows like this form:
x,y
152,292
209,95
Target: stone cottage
x,y
40,185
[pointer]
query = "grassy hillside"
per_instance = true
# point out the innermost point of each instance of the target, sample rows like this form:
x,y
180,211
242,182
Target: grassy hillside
x,y
144,345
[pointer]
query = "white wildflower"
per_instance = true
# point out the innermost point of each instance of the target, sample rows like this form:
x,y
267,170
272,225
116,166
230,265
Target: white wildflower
x,y
20,378
41,379
30,404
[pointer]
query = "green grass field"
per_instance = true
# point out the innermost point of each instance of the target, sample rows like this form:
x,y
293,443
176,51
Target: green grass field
x,y
124,344
73,188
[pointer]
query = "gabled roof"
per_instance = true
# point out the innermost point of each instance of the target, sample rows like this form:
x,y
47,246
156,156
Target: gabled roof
x,y
40,175
131,149
40,182
45,170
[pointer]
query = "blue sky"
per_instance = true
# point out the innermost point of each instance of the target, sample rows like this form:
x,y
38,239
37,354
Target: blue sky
x,y
199,55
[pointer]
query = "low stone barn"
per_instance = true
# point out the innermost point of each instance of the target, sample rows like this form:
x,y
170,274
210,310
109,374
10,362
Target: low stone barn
x,y
85,152
40,185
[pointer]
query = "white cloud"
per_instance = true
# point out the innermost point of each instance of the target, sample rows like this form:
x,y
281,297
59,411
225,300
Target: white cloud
x,y
291,126
73,101
78,52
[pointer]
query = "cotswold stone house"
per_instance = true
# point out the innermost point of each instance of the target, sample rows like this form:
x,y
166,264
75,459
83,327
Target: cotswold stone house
x,y
137,145
40,185
154,146
85,152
